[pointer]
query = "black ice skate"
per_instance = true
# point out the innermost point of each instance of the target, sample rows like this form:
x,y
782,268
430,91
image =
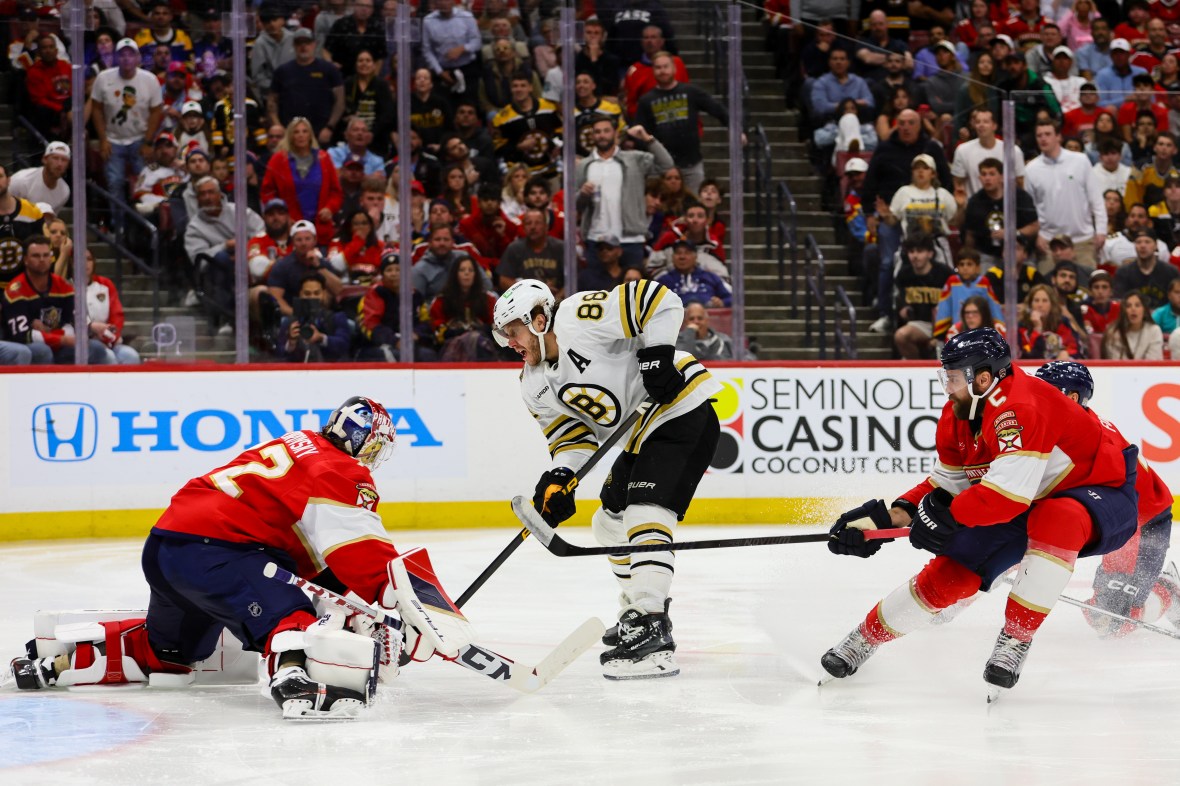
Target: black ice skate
x,y
34,673
300,698
1003,667
645,648
849,655
611,637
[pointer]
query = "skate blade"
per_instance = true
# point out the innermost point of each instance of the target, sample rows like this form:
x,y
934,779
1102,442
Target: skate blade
x,y
655,666
993,694
824,680
302,711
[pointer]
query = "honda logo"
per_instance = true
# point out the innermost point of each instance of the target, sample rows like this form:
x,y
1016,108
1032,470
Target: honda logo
x,y
65,431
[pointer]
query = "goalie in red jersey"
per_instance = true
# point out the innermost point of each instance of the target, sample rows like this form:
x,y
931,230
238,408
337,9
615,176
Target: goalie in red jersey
x,y
1132,581
307,502
1019,479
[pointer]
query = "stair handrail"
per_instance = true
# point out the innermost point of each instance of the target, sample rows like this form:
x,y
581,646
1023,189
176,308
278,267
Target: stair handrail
x,y
24,160
845,341
149,267
817,302
788,239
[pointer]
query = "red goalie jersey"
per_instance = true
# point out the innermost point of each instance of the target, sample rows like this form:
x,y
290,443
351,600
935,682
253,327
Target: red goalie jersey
x,y
298,494
1029,446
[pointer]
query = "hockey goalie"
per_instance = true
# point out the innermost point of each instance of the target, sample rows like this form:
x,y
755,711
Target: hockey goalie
x,y
307,502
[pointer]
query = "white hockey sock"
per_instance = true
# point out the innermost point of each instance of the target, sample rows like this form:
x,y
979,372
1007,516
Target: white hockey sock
x,y
609,530
651,572
900,612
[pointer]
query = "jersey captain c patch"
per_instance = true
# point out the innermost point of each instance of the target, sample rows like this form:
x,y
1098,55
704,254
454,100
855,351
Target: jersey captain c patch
x,y
597,403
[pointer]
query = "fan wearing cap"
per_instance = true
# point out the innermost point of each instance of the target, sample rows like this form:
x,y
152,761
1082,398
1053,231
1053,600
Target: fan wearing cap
x,y
48,182
48,89
273,243
1100,309
1036,96
191,132
126,108
1040,57
1062,78
160,31
923,205
1114,81
273,46
213,51
690,282
854,215
305,257
307,87
929,61
157,178
179,89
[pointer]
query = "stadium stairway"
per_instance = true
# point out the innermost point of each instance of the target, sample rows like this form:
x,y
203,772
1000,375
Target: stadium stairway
x,y
768,309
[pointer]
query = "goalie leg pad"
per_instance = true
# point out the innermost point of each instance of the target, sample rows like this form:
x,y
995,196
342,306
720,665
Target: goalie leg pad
x,y
433,622
339,657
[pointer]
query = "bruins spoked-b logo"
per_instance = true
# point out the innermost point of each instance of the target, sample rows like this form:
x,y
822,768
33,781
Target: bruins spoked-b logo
x,y
598,403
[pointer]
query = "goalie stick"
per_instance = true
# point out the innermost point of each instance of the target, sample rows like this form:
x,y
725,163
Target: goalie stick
x,y
503,556
520,676
560,548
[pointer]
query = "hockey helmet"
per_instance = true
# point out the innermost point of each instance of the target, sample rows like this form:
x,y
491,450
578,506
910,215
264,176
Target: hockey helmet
x,y
1069,376
518,302
967,354
363,429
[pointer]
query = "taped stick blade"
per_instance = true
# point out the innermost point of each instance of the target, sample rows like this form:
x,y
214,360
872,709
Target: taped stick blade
x,y
532,521
586,636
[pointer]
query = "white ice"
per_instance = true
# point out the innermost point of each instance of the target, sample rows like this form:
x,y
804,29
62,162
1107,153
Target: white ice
x,y
751,625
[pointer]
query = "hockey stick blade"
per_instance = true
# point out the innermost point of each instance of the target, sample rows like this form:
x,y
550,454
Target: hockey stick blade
x,y
558,547
586,636
473,657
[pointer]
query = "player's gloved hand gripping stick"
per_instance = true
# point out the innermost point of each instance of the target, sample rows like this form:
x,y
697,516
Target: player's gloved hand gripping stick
x,y
570,486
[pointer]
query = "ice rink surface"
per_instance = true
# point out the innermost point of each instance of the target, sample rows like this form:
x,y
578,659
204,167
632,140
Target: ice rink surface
x,y
751,625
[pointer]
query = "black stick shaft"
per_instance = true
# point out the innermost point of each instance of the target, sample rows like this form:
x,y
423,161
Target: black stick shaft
x,y
514,544
565,549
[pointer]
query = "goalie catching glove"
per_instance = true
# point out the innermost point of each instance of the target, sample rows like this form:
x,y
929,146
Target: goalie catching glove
x,y
934,524
554,496
661,379
848,538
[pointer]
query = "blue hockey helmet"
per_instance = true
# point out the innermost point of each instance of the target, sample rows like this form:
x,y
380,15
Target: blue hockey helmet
x,y
969,353
1069,376
363,429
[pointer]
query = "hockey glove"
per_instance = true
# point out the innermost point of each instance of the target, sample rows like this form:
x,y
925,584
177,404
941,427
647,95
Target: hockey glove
x,y
850,540
934,524
554,497
662,380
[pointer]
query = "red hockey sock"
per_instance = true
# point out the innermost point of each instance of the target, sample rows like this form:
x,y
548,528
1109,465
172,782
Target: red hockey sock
x,y
1058,529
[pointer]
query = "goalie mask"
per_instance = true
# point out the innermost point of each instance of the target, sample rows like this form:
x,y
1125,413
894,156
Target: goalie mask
x,y
1069,376
969,353
363,429
518,302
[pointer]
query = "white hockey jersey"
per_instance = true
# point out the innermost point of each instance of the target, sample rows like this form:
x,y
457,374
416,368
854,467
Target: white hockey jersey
x,y
594,384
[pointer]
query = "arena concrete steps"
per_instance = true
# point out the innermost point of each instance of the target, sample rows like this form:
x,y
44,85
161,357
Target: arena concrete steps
x,y
768,309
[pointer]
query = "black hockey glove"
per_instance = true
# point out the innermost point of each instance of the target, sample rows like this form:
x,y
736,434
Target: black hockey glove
x,y
554,497
934,524
843,539
662,380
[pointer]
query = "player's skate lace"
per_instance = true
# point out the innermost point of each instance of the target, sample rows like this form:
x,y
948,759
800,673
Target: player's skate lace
x,y
849,655
611,637
1003,667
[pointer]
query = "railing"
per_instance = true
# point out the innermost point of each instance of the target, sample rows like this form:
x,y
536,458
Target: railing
x,y
788,238
33,157
716,45
117,240
817,302
845,341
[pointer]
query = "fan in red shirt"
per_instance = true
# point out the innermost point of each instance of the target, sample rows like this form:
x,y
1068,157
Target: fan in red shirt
x,y
488,229
694,226
47,87
1024,26
1019,480
1081,119
1167,10
1131,581
1100,308
1135,28
307,502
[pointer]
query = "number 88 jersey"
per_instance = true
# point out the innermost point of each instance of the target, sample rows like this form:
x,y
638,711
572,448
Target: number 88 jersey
x,y
298,494
595,383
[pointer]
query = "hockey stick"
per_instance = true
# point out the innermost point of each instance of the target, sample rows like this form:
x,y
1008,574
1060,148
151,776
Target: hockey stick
x,y
520,676
1081,604
524,533
560,548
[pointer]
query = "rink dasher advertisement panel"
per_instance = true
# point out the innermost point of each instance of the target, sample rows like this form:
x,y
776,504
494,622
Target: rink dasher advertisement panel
x,y
105,451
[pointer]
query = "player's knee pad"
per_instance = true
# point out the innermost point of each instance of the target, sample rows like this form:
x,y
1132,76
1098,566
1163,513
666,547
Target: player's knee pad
x,y
339,657
608,527
649,524
1061,523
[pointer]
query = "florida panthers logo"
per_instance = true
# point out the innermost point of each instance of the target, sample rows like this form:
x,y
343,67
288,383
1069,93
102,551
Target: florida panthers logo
x,y
366,497
1008,432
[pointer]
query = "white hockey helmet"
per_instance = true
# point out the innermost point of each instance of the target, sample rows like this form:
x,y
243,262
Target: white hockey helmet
x,y
518,302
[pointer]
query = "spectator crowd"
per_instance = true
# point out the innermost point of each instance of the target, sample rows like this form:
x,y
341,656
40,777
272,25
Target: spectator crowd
x,y
325,162
902,105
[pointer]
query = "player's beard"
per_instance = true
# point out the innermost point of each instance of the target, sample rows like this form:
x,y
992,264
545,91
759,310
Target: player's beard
x,y
962,409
